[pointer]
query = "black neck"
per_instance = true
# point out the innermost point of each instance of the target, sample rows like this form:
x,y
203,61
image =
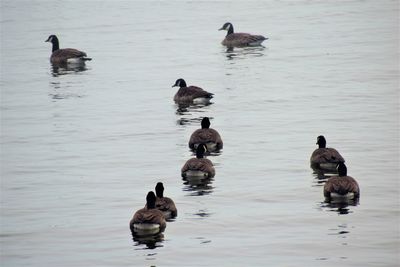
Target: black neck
x,y
230,30
343,173
55,45
342,170
199,154
159,190
182,84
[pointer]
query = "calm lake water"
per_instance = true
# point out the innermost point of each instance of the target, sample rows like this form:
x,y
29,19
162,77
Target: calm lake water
x,y
80,149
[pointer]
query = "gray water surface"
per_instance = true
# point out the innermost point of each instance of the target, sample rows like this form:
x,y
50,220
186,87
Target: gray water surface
x,y
80,148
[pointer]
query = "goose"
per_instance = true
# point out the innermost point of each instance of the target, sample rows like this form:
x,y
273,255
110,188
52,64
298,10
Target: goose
x,y
324,158
148,220
233,39
165,204
198,166
65,55
190,94
342,186
207,136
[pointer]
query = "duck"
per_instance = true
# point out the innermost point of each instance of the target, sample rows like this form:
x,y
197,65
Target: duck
x,y
233,39
148,220
206,136
65,55
190,94
325,158
198,166
165,204
342,186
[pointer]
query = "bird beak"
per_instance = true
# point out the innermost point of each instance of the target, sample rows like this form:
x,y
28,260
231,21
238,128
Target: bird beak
x,y
173,85
221,29
46,40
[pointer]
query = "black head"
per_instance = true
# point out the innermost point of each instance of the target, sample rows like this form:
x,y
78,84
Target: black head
x,y
205,123
159,189
342,169
201,150
180,83
52,39
226,26
321,142
151,200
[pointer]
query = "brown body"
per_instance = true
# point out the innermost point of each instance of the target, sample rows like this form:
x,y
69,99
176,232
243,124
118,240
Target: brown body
x,y
165,204
199,164
61,56
150,216
242,40
188,94
341,185
325,155
205,136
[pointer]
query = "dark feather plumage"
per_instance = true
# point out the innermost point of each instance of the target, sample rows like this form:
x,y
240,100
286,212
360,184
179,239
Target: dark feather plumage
x,y
233,39
199,164
341,185
151,216
205,136
62,55
189,93
326,155
165,204
242,40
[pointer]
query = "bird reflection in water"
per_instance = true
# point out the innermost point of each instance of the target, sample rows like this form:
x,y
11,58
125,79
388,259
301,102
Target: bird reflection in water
x,y
197,186
203,213
342,231
189,110
64,69
340,206
321,177
149,241
189,121
241,53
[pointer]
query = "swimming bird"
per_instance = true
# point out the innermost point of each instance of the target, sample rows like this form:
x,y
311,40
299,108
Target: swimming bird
x,y
165,204
206,136
148,220
198,166
190,94
342,186
324,158
233,39
65,55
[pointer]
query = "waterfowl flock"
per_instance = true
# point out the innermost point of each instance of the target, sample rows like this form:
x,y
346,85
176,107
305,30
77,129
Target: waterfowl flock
x,y
158,209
